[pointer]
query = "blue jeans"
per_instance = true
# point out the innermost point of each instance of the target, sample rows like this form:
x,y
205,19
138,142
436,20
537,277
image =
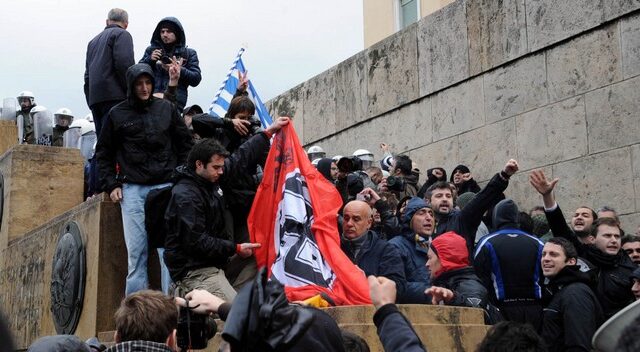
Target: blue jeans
x,y
135,237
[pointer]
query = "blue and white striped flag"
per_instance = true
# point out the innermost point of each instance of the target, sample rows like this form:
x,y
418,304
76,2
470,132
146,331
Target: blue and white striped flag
x,y
222,99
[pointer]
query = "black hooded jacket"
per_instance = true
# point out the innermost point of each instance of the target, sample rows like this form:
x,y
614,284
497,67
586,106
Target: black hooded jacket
x,y
573,314
197,234
147,139
189,74
466,186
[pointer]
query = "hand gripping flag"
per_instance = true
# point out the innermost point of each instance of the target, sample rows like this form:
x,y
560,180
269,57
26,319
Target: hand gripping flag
x,y
294,217
223,97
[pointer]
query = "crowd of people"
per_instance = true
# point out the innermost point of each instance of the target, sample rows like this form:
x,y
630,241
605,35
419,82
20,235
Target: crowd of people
x,y
186,182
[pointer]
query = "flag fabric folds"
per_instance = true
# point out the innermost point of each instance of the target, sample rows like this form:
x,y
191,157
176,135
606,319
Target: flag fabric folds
x,y
223,97
294,217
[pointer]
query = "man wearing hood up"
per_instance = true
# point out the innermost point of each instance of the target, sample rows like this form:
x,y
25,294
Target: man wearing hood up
x,y
508,263
418,225
142,141
168,41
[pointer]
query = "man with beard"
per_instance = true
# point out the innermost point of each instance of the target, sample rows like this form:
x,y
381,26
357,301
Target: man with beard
x,y
465,222
611,266
27,102
573,313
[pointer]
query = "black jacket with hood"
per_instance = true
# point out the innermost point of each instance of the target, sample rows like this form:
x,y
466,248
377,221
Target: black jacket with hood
x,y
147,139
572,316
189,74
197,234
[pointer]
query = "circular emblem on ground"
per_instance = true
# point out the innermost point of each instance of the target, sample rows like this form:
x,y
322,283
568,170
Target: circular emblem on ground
x,y
68,279
1,198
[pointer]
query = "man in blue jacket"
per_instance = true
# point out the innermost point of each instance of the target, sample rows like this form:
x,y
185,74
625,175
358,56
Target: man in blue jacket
x,y
168,41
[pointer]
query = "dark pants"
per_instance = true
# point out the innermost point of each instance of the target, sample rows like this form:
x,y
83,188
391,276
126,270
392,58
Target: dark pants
x,y
526,312
99,112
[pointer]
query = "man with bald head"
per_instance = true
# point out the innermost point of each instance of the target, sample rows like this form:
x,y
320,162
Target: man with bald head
x,y
366,249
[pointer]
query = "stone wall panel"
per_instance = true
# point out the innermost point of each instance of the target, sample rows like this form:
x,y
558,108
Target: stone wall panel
x,y
550,21
588,62
635,163
521,191
616,8
630,35
290,103
442,48
630,222
458,109
515,88
497,32
319,108
351,91
392,72
486,150
411,126
443,153
613,115
552,134
588,181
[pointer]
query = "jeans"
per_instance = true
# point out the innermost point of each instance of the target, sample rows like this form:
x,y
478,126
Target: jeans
x,y
135,237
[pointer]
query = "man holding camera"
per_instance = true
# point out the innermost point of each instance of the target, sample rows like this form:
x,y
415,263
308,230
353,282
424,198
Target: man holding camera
x,y
401,182
169,41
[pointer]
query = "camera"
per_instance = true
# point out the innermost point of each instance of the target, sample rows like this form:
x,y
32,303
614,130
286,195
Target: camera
x,y
395,183
194,330
349,164
165,59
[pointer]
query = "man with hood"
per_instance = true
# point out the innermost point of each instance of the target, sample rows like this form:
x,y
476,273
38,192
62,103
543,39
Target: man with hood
x,y
146,138
168,41
507,262
433,175
573,313
461,177
418,225
610,266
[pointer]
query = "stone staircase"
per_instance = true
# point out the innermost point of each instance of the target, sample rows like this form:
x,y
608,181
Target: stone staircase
x,y
441,328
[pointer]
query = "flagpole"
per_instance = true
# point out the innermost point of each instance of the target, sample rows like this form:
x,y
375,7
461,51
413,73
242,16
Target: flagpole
x,y
233,66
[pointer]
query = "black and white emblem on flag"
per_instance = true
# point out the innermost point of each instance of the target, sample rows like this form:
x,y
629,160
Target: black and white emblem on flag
x,y
298,261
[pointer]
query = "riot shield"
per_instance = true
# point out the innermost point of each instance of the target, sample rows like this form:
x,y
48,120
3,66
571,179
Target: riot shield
x,y
20,123
71,138
87,145
9,106
42,127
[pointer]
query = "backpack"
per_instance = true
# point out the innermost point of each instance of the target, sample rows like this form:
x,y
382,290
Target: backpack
x,y
154,208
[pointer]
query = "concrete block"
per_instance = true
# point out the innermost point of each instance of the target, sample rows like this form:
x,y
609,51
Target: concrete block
x,y
635,163
443,48
552,134
616,8
416,313
319,108
521,191
458,109
40,182
290,103
442,153
8,135
497,32
26,264
630,223
604,178
486,150
392,72
630,35
613,115
351,91
412,126
550,21
587,62
515,88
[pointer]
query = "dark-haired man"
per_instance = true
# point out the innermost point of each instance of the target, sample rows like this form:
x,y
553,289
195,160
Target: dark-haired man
x,y
611,266
198,244
631,246
573,314
403,183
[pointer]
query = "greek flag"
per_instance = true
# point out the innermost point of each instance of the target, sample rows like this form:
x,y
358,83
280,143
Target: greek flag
x,y
223,97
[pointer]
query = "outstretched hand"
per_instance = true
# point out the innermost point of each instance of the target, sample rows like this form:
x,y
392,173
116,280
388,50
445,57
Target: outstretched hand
x,y
540,182
278,124
439,294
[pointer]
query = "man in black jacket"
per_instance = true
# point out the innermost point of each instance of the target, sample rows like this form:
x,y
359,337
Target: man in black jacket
x,y
109,55
573,313
370,253
198,244
508,263
146,138
611,266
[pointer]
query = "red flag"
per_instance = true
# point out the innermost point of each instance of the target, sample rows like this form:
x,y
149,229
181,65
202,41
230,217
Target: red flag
x,y
294,217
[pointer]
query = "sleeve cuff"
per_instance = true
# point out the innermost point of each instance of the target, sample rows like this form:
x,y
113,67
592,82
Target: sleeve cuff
x,y
554,207
383,312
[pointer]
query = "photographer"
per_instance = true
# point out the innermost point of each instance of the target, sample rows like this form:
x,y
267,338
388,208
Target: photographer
x,y
168,40
402,182
351,179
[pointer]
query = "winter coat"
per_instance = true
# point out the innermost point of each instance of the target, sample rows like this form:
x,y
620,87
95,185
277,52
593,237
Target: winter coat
x,y
612,273
395,331
109,55
572,316
378,258
431,179
147,139
197,234
189,73
414,260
